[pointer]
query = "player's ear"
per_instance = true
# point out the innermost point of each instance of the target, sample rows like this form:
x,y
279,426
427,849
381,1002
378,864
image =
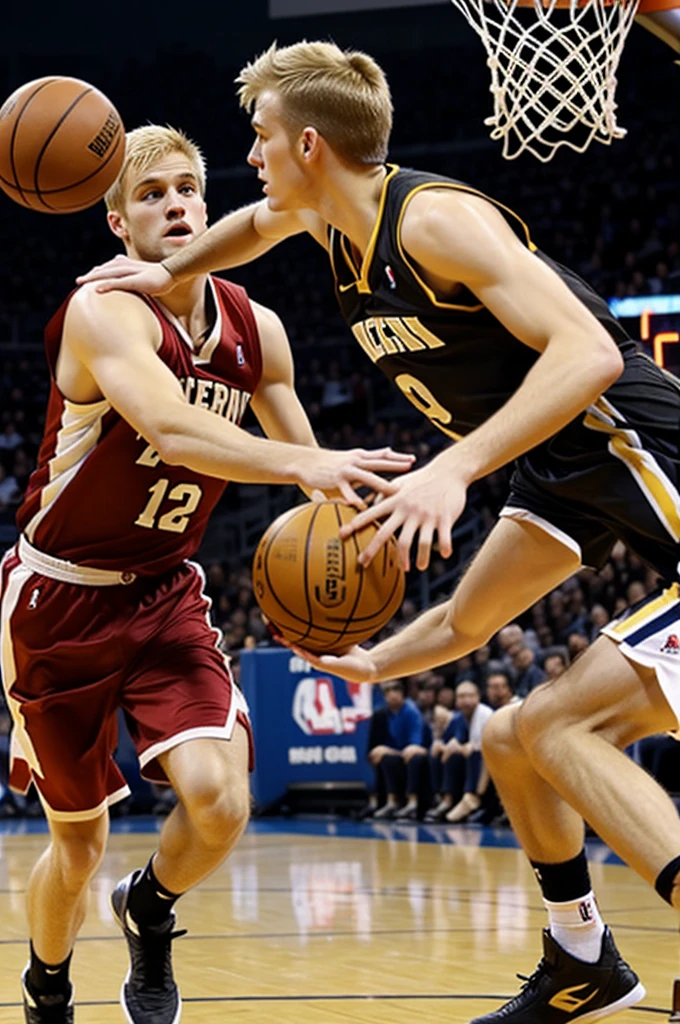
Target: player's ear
x,y
310,141
117,225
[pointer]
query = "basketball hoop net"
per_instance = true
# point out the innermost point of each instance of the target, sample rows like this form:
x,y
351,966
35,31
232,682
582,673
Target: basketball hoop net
x,y
553,73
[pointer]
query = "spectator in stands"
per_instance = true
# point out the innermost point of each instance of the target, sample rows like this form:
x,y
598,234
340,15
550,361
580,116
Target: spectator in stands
x,y
510,640
599,617
402,760
527,674
576,644
554,665
461,757
447,696
499,690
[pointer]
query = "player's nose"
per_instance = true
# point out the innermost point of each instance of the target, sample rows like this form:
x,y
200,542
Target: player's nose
x,y
254,158
175,206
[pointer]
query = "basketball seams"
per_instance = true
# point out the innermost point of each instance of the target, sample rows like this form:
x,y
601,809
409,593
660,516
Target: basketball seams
x,y
265,563
54,139
361,574
29,100
64,188
324,630
36,171
305,571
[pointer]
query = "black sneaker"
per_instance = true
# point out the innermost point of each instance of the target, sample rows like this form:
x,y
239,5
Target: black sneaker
x,y
46,1009
563,988
149,994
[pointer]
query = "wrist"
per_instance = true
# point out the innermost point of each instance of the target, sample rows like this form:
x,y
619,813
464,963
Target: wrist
x,y
461,460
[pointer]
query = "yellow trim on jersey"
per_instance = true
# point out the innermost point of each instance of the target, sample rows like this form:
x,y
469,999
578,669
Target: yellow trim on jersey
x,y
361,282
457,188
625,445
647,613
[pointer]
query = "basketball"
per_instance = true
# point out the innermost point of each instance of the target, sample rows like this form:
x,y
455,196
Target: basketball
x,y
62,144
310,585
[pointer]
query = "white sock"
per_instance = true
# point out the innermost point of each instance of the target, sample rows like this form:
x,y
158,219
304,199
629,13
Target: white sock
x,y
577,927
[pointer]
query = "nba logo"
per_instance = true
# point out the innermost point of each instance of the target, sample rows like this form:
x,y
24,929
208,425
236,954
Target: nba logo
x,y
391,279
672,645
240,358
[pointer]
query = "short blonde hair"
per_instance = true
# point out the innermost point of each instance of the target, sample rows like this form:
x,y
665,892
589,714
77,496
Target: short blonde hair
x,y
342,93
146,146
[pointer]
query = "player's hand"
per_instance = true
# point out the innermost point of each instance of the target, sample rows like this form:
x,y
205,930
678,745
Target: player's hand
x,y
422,503
343,471
123,274
356,665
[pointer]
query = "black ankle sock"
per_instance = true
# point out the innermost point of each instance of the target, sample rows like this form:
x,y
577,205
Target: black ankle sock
x,y
48,979
561,883
150,902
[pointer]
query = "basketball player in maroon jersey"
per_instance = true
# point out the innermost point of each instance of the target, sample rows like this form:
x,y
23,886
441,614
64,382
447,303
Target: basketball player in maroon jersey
x,y
100,607
519,360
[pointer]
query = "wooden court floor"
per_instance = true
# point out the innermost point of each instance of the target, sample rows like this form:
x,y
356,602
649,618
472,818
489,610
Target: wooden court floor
x,y
318,928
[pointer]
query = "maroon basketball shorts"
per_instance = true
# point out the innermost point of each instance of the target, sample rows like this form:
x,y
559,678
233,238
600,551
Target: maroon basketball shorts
x,y
77,644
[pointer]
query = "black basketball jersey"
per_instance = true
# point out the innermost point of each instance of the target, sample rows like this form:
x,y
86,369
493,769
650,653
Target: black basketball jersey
x,y
613,471
454,360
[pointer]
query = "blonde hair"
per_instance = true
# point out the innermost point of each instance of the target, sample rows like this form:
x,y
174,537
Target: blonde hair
x,y
342,93
146,146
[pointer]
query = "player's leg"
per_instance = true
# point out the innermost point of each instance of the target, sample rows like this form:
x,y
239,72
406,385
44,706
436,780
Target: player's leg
x,y
57,897
210,778
59,676
565,744
190,727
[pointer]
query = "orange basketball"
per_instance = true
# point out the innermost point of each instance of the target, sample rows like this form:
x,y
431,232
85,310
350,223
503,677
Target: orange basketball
x,y
310,585
62,144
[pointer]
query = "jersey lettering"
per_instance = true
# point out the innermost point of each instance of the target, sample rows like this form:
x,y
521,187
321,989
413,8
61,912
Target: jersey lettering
x,y
176,520
381,336
424,400
213,395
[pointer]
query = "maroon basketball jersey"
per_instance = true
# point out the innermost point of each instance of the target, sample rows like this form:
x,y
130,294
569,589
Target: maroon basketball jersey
x,y
100,495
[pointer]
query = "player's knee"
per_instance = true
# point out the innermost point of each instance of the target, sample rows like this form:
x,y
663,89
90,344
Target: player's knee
x,y
499,738
219,812
79,855
540,728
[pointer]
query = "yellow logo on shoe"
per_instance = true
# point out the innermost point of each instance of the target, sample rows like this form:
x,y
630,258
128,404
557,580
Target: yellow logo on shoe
x,y
567,1001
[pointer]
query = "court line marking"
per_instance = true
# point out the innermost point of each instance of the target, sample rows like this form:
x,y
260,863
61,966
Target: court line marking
x,y
307,936
336,998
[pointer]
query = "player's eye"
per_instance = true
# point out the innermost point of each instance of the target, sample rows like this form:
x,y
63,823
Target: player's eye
x,y
152,194
188,189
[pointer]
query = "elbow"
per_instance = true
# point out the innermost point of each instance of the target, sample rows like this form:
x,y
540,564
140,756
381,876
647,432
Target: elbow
x,y
611,365
166,441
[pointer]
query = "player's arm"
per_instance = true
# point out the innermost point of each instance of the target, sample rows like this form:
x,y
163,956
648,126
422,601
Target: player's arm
x,y
113,338
238,238
463,238
275,402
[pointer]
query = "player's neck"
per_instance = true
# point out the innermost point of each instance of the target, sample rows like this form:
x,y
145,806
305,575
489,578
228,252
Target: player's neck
x,y
351,201
187,302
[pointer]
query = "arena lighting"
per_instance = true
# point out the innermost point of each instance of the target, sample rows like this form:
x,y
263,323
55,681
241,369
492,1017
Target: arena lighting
x,y
655,321
636,305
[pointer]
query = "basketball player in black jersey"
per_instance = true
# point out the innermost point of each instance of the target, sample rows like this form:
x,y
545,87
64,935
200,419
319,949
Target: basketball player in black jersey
x,y
518,360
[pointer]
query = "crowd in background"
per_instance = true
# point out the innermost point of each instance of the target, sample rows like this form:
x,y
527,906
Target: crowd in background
x,y
613,216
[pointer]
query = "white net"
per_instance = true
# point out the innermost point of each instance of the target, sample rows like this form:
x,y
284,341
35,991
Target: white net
x,y
553,71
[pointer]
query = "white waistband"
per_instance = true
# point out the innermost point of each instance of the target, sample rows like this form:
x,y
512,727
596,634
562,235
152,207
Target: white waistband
x,y
68,572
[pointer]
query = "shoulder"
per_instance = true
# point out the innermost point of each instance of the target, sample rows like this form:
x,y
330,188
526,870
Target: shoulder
x,y
89,304
268,322
432,214
91,314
